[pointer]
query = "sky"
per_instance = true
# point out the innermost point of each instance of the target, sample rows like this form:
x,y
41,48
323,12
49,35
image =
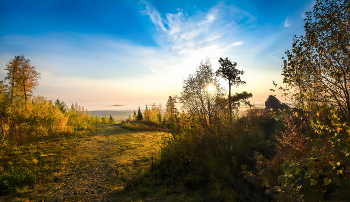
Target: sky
x,y
133,53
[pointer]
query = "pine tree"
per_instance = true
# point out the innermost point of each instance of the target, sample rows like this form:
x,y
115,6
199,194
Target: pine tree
x,y
61,105
228,71
111,120
139,115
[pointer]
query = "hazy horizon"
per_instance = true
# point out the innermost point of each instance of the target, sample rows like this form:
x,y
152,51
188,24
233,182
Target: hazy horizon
x,y
106,107
122,114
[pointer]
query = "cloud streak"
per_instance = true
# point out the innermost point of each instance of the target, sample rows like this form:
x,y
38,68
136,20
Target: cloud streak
x,y
192,38
286,23
185,34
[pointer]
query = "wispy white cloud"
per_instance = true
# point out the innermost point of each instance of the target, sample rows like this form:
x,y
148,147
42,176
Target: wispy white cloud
x,y
286,23
153,14
236,43
207,33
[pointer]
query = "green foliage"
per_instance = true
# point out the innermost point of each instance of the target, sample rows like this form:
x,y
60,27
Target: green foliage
x,y
61,105
316,155
228,71
104,120
139,115
15,179
145,191
111,120
171,111
314,144
318,66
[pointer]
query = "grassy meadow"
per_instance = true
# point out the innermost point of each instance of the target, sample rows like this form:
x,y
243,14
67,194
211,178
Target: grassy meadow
x,y
92,165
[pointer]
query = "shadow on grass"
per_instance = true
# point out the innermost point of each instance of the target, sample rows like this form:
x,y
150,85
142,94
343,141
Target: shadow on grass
x,y
143,126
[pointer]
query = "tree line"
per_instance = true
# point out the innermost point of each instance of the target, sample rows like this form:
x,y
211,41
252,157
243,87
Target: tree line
x,y
26,118
202,97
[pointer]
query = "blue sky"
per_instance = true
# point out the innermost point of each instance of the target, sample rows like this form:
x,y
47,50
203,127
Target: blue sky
x,y
132,53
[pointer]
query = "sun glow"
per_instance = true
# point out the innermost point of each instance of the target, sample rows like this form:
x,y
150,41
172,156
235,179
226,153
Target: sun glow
x,y
210,88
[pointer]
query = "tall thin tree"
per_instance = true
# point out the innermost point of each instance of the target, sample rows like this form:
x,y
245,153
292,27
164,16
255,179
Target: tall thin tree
x,y
228,71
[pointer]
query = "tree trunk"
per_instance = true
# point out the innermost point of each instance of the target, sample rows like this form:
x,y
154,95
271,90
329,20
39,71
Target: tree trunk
x,y
12,87
229,99
209,112
25,95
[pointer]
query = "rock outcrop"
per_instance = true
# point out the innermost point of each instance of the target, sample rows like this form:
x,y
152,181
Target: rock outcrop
x,y
273,103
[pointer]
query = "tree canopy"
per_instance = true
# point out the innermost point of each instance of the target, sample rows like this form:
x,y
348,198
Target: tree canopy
x,y
318,66
22,76
228,71
197,99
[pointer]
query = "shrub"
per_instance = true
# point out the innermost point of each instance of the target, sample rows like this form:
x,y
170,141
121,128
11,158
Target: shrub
x,y
15,180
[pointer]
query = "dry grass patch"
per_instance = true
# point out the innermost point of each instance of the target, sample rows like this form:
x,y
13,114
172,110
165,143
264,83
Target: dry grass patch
x,y
85,168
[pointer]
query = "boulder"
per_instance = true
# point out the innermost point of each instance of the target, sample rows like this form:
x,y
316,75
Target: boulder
x,y
275,104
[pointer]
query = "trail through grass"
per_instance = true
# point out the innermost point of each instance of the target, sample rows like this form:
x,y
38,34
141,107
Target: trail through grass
x,y
95,167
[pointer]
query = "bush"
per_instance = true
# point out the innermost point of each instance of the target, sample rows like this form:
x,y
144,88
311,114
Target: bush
x,y
15,180
39,118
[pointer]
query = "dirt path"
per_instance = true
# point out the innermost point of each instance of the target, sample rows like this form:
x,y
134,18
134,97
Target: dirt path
x,y
99,165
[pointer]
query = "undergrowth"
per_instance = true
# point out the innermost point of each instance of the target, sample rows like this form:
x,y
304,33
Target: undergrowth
x,y
143,126
210,164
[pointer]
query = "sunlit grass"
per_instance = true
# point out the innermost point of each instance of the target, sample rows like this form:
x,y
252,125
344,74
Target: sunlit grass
x,y
110,157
